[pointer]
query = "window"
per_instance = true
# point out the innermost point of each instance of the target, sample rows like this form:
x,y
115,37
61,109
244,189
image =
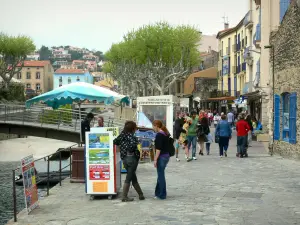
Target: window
x,y
284,5
38,75
77,79
28,75
285,116
60,79
289,113
19,76
28,86
69,80
38,87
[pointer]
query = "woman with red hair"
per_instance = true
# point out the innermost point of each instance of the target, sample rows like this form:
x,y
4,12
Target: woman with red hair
x,y
162,157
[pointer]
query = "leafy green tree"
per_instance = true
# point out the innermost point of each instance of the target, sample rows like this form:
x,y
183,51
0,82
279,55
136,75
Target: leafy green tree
x,y
13,52
154,55
75,55
45,53
100,55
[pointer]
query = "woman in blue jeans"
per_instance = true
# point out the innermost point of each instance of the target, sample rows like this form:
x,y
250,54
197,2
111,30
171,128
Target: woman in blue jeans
x,y
161,159
224,131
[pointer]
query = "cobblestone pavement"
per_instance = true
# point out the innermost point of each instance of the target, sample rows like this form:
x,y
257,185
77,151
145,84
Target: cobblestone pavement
x,y
258,190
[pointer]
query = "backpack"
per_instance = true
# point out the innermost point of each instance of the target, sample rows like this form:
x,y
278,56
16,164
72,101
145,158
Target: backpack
x,y
171,148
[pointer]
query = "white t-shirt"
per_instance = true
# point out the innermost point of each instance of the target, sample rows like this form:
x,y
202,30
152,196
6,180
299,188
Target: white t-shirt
x,y
230,117
216,119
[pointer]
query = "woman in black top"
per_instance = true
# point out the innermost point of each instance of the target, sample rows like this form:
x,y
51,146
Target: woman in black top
x,y
130,156
202,131
162,157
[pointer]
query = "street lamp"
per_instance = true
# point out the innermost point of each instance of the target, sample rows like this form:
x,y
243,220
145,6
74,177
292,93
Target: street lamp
x,y
273,88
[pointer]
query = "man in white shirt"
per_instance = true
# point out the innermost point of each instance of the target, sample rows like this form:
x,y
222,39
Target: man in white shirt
x,y
230,118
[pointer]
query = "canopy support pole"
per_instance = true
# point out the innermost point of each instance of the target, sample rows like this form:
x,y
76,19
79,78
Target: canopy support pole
x,y
80,141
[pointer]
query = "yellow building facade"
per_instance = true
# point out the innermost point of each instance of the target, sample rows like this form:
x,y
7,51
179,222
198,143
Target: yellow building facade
x,y
231,65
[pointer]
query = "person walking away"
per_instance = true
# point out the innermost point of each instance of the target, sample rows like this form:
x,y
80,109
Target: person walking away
x,y
230,118
183,137
210,117
202,131
86,125
242,128
208,143
130,156
249,139
100,122
178,130
192,134
224,132
162,158
216,119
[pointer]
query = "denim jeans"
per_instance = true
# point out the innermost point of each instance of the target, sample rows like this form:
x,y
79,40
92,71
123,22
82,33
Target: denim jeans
x,y
223,144
192,140
207,144
161,186
241,144
130,163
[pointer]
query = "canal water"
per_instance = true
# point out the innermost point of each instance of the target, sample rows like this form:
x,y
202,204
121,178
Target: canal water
x,y
11,152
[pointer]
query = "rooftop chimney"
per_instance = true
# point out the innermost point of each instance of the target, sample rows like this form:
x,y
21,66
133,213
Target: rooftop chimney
x,y
226,26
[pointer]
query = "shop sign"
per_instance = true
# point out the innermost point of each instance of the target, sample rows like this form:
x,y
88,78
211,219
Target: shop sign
x,y
155,101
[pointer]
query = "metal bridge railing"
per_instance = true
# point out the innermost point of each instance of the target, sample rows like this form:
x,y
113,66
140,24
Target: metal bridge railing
x,y
41,116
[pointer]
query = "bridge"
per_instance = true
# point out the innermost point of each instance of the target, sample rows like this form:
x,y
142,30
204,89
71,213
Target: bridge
x,y
41,121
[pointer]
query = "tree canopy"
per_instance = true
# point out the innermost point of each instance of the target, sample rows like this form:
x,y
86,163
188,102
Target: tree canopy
x,y
13,52
45,53
156,55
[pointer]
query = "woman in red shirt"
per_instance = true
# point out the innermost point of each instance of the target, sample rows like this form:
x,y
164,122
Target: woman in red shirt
x,y
242,128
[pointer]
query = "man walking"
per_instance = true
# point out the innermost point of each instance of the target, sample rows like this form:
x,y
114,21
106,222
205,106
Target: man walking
x,y
242,128
192,134
230,118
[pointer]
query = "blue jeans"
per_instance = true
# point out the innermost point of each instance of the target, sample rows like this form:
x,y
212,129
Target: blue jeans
x,y
161,186
192,140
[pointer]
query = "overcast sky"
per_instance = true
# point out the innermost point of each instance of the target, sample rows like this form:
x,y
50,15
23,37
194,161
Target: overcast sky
x,y
96,24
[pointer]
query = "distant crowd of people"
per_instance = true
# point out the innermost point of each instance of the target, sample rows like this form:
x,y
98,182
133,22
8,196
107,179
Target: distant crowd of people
x,y
192,130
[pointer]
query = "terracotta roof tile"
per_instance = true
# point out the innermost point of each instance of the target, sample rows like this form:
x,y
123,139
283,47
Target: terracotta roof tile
x,y
36,63
78,71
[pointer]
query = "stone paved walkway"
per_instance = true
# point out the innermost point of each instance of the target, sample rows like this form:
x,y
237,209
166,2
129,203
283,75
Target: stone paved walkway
x,y
257,190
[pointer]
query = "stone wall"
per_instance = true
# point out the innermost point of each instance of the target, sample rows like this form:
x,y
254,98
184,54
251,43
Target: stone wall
x,y
9,136
286,42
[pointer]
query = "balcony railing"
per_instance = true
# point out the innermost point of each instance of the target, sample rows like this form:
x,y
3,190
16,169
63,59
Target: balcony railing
x,y
244,66
234,69
248,21
234,47
227,51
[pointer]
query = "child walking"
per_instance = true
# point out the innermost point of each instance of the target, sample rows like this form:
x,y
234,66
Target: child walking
x,y
207,144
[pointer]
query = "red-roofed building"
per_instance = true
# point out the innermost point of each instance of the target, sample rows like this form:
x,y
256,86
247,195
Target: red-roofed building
x,y
36,75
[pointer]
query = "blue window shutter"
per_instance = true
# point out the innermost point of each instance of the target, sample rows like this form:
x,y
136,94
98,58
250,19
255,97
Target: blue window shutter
x,y
293,118
277,118
284,5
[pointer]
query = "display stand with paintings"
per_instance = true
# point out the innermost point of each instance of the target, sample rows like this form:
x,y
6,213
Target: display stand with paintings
x,y
102,163
29,181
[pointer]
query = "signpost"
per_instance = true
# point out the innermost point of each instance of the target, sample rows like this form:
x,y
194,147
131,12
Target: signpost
x,y
29,183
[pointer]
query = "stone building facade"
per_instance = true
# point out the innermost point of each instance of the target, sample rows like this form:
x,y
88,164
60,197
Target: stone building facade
x,y
286,44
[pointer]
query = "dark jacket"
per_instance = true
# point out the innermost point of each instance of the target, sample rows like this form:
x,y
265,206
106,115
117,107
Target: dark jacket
x,y
178,127
85,127
128,144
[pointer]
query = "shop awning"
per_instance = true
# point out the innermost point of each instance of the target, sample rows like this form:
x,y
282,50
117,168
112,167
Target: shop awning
x,y
229,98
252,94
